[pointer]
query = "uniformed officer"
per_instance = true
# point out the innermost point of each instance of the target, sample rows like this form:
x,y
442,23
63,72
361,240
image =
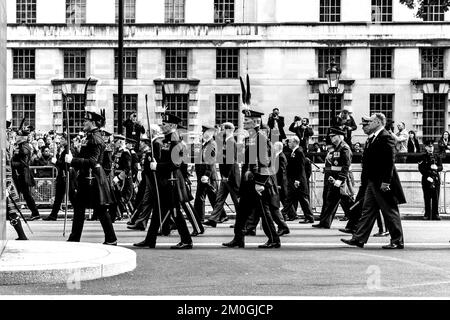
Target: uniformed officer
x,y
21,173
93,187
430,166
258,189
340,188
205,170
172,187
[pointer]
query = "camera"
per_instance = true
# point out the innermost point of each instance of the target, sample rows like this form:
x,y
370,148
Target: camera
x,y
297,118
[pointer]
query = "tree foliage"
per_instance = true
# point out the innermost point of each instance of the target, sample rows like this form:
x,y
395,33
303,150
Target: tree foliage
x,y
420,5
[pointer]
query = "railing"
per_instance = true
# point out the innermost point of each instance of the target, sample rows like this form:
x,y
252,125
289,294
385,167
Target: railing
x,y
45,188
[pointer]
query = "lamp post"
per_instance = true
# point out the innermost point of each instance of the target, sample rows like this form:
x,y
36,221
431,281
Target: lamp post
x,y
333,74
120,72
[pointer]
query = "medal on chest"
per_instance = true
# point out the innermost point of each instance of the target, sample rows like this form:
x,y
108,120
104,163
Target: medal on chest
x,y
166,146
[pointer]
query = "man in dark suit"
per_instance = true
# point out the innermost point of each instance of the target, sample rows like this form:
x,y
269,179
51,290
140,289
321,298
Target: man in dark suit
x,y
383,188
303,131
276,125
297,186
229,170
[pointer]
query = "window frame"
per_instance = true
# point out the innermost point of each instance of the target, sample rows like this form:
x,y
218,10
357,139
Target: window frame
x,y
24,69
174,11
129,66
381,63
176,63
78,13
428,67
330,10
227,108
76,65
227,63
19,113
224,11
382,11
129,11
26,11
130,105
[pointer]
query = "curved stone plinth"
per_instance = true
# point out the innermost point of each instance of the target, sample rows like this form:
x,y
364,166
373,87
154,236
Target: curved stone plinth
x,y
62,262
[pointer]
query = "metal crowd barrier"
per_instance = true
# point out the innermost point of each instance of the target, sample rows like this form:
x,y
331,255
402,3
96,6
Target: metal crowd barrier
x,y
45,188
411,183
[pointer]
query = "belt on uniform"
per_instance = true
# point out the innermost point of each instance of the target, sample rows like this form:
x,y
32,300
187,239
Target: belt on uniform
x,y
335,168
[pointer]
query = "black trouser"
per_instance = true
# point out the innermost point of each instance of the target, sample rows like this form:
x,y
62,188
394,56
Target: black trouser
x,y
29,201
374,201
431,199
79,210
193,217
12,213
203,190
355,214
261,204
295,195
59,196
144,207
225,188
332,200
277,217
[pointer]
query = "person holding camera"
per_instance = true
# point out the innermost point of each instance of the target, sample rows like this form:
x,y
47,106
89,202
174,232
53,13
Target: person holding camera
x,y
303,131
429,167
276,125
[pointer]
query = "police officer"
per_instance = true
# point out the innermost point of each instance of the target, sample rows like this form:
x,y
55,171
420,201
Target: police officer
x,y
93,187
21,173
430,166
172,187
340,189
258,189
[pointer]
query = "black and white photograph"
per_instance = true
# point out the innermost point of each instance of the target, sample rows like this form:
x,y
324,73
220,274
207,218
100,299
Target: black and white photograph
x,y
225,155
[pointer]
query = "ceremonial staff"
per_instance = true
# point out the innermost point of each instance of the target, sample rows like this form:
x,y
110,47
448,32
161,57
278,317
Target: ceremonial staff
x,y
153,158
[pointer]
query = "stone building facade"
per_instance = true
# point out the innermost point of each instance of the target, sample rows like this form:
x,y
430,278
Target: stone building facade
x,y
2,121
391,61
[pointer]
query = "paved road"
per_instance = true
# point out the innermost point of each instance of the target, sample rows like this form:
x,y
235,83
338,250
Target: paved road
x,y
310,263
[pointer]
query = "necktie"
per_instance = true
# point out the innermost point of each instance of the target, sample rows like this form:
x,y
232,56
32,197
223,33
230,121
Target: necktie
x,y
369,141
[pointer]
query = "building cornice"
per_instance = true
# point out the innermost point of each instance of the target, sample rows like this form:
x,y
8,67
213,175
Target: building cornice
x,y
429,80
56,82
172,81
318,81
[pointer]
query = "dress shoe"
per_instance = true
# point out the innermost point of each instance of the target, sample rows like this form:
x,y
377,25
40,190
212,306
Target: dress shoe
x,y
210,223
223,220
393,246
136,227
270,245
291,218
319,226
232,226
306,221
194,233
182,245
381,234
21,239
114,243
233,244
49,218
129,223
144,244
345,230
250,232
344,218
436,218
353,242
282,232
33,218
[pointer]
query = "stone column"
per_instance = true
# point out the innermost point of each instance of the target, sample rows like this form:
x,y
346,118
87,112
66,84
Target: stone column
x,y
2,122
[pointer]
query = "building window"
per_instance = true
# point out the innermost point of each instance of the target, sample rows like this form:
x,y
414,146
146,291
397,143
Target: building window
x,y
23,106
176,63
433,10
129,63
329,107
23,63
174,12
223,11
325,57
75,11
227,108
75,108
74,64
433,63
330,10
129,107
382,103
177,104
433,115
26,11
381,10
227,63
381,63
129,11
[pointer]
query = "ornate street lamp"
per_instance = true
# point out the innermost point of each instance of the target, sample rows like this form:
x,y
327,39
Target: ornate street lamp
x,y
333,74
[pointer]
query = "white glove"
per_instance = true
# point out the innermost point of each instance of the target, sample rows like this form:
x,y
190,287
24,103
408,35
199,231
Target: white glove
x,y
69,157
259,188
204,179
337,183
116,180
296,183
6,193
53,160
248,176
433,167
153,165
139,175
430,179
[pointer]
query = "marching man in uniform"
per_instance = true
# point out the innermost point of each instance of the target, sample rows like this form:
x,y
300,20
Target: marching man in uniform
x,y
93,187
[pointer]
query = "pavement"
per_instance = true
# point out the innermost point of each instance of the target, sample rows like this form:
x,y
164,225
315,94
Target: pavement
x,y
310,263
